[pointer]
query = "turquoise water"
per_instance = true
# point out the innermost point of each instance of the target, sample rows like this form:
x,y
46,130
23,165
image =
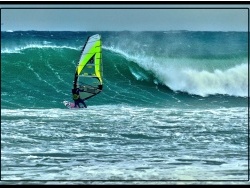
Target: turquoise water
x,y
173,107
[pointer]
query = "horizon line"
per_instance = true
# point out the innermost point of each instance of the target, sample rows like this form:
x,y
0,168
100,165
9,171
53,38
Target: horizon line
x,y
183,30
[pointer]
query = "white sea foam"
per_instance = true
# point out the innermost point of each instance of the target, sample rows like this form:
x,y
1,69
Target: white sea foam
x,y
124,143
233,81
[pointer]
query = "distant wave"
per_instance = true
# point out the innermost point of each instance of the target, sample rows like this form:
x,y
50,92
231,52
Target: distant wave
x,y
34,46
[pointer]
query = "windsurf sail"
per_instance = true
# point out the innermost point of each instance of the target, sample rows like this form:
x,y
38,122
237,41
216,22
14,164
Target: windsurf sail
x,y
89,71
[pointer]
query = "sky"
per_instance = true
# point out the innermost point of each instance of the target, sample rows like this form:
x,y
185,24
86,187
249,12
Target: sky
x,y
116,18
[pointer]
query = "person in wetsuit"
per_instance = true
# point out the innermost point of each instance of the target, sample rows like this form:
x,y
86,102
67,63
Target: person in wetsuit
x,y
77,99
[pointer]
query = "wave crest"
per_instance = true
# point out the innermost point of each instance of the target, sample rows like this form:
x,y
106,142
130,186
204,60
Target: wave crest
x,y
233,81
186,75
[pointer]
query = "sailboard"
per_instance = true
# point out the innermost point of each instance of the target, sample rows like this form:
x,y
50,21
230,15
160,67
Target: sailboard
x,y
88,75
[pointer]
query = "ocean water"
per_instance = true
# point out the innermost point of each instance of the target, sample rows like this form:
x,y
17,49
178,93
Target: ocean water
x,y
174,107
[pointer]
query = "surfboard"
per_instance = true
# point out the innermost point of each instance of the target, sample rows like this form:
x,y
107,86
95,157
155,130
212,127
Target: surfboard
x,y
70,105
88,75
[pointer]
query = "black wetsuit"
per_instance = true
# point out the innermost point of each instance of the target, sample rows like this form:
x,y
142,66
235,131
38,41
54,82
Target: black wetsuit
x,y
77,99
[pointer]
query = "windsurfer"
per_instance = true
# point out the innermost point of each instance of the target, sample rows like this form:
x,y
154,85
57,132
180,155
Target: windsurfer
x,y
77,99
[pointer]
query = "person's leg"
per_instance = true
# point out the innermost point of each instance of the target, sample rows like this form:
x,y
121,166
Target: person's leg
x,y
77,104
85,106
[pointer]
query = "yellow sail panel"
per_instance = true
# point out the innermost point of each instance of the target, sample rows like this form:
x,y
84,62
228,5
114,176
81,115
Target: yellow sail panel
x,y
83,62
88,54
98,68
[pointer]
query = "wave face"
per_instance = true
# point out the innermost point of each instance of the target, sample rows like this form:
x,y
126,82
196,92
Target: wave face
x,y
163,69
